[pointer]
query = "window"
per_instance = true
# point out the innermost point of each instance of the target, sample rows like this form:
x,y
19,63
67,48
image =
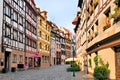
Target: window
x,y
40,33
31,43
15,35
45,47
43,60
16,1
48,38
7,32
48,48
15,16
40,45
21,4
21,20
45,37
35,45
7,11
35,32
14,58
48,28
21,59
20,37
40,22
27,41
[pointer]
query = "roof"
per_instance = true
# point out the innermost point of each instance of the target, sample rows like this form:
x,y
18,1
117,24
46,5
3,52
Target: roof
x,y
75,20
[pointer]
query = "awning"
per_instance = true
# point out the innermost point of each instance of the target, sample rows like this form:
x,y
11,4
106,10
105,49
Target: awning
x,y
36,55
71,59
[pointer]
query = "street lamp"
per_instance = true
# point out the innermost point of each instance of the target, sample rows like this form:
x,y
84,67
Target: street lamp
x,y
73,54
73,62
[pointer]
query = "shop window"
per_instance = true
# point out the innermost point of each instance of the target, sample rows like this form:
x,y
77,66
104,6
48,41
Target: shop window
x,y
1,62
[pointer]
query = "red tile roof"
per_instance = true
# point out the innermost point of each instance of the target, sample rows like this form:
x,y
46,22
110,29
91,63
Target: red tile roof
x,y
74,22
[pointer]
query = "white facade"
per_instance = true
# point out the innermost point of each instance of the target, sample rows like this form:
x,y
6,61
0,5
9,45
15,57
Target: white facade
x,y
53,51
1,18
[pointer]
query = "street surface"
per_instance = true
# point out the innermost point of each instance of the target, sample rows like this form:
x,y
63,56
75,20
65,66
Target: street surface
x,y
57,72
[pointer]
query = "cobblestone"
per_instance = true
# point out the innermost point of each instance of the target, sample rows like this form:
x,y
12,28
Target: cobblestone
x,y
51,73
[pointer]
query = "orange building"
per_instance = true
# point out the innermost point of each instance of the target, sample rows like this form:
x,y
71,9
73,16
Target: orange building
x,y
31,35
98,33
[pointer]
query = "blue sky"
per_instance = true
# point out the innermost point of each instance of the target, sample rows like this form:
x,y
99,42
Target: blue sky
x,y
61,12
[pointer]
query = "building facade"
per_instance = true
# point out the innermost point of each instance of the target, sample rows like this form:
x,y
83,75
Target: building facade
x,y
31,34
43,38
62,43
58,47
67,37
13,33
102,31
53,44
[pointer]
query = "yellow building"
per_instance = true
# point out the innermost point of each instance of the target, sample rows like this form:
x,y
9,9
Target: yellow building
x,y
97,34
43,38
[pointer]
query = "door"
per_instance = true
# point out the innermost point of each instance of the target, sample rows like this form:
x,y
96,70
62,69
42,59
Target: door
x,y
7,60
118,65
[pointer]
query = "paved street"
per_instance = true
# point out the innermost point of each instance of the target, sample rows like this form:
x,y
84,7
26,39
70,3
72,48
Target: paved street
x,y
52,73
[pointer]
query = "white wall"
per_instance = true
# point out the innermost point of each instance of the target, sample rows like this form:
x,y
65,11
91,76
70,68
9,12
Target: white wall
x,y
1,17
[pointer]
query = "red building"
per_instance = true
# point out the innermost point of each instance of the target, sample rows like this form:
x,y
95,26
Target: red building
x,y
31,34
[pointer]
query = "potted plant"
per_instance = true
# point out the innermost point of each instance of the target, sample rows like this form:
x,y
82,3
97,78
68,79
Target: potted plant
x,y
101,72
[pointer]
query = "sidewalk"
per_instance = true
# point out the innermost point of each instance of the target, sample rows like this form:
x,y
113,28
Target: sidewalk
x,y
83,76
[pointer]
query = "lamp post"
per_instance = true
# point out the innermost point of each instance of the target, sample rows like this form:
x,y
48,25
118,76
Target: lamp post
x,y
73,54
73,63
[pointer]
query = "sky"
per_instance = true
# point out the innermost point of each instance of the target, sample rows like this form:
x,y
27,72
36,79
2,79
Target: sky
x,y
61,12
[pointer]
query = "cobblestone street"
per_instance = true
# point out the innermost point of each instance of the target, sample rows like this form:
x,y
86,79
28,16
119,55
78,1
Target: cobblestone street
x,y
52,73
